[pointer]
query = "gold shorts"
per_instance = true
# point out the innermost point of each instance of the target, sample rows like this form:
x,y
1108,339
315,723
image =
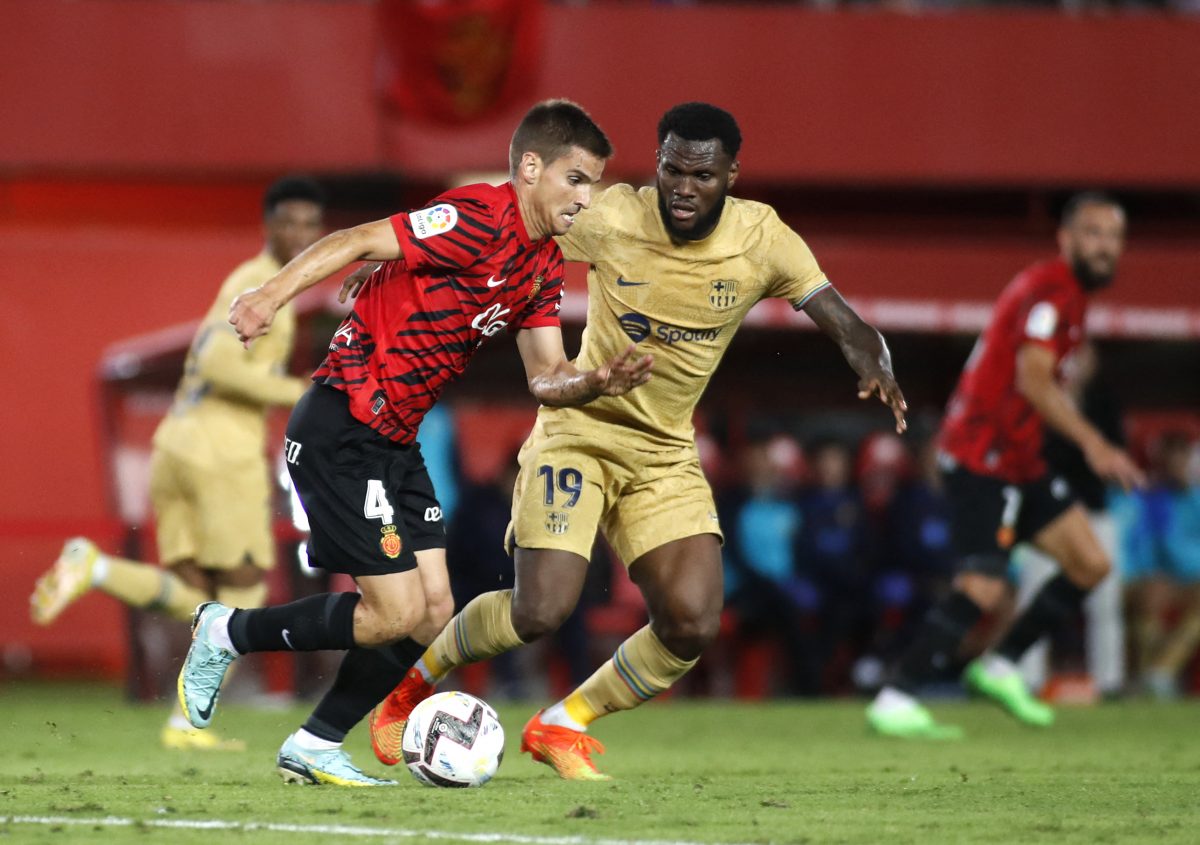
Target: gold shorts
x,y
571,485
219,517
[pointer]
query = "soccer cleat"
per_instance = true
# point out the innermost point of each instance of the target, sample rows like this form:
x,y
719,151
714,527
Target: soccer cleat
x,y
1009,691
67,580
909,722
391,715
568,752
190,739
300,765
204,667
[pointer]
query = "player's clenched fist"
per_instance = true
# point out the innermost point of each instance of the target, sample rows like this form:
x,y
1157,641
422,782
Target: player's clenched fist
x,y
251,314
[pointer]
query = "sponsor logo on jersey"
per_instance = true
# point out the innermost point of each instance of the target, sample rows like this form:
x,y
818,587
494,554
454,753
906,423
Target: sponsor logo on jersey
x,y
639,328
622,282
722,294
557,522
635,325
489,321
433,514
436,220
390,541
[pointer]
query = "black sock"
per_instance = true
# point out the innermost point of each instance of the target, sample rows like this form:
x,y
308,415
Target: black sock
x,y
317,623
1057,599
936,643
363,680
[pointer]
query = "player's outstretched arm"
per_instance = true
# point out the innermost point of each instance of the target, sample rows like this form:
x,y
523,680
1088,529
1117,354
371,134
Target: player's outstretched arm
x,y
1036,381
252,312
553,380
864,349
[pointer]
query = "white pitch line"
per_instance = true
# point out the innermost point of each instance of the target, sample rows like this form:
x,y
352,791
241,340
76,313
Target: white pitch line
x,y
337,830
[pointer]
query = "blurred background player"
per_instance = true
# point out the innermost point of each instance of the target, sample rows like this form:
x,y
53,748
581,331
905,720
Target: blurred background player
x,y
999,486
1104,637
675,268
478,260
210,483
1161,545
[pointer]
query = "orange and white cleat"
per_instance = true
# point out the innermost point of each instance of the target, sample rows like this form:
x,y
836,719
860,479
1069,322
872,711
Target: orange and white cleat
x,y
391,715
568,752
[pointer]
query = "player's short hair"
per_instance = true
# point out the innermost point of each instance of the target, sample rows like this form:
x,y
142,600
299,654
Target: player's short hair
x,y
1085,198
551,129
292,187
701,122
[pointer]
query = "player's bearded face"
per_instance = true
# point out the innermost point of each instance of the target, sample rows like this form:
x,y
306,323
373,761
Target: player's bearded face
x,y
1092,244
694,177
292,227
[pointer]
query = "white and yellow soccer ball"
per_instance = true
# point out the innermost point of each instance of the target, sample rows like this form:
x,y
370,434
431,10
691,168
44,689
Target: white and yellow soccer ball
x,y
453,739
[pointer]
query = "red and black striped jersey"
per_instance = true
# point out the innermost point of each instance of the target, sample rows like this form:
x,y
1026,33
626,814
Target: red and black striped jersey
x,y
468,269
990,428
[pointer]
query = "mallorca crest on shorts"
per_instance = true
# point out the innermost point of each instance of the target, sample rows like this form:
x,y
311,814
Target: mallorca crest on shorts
x,y
557,522
390,541
722,293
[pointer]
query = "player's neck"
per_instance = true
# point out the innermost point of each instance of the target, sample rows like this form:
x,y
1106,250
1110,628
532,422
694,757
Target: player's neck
x,y
533,227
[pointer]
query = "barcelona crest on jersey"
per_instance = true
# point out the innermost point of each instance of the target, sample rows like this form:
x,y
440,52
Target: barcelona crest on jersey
x,y
722,294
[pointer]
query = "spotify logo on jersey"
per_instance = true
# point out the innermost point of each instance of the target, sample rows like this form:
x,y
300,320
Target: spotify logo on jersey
x,y
636,326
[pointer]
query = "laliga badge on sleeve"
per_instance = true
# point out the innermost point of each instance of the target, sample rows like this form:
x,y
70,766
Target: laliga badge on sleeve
x,y
437,220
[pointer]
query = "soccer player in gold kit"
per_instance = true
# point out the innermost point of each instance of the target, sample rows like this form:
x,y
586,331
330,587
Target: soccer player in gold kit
x,y
209,479
674,268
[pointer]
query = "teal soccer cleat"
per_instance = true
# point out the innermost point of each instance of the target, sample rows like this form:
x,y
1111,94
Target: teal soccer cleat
x,y
303,765
204,667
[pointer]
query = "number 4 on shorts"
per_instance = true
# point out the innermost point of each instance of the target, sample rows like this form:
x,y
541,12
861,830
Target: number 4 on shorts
x,y
376,505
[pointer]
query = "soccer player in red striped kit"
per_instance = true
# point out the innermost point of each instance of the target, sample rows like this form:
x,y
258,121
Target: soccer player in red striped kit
x,y
999,487
478,260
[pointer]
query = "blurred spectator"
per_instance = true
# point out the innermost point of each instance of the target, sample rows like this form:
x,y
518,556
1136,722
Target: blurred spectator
x,y
832,553
1105,629
762,521
914,560
1161,545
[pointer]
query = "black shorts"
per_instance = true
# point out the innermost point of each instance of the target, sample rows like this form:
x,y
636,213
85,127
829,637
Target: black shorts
x,y
369,500
989,515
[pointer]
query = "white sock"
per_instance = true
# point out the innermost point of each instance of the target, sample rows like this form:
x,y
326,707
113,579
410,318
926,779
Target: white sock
x,y
890,698
424,670
557,715
997,666
312,742
219,631
99,570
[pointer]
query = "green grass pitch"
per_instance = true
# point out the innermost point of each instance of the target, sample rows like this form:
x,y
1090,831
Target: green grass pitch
x,y
79,764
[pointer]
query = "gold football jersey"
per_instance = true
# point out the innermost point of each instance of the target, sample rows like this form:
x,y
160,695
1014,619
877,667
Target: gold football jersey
x,y
681,301
219,412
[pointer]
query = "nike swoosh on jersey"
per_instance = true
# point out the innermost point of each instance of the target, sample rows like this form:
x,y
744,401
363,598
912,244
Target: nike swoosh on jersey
x,y
625,283
494,282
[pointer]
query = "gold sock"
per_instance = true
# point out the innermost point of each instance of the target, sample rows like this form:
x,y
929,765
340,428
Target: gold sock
x,y
150,588
480,630
1180,644
640,669
245,598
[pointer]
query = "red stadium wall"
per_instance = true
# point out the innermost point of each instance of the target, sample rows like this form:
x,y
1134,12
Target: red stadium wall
x,y
853,98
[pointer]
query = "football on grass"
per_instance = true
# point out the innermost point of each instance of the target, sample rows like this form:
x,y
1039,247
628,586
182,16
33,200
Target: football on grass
x,y
453,739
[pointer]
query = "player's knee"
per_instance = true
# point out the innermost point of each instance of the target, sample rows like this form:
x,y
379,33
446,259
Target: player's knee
x,y
382,624
687,632
533,620
1090,569
986,591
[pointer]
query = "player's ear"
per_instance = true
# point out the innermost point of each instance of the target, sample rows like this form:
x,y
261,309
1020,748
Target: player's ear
x,y
733,174
530,168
